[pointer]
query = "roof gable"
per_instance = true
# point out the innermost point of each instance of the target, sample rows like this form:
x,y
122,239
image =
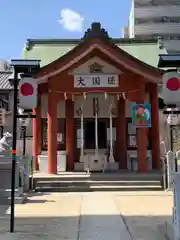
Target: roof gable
x,y
87,67
96,39
95,43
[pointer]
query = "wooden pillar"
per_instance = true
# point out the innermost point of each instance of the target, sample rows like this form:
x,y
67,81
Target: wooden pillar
x,y
69,109
121,134
154,131
141,138
52,133
36,132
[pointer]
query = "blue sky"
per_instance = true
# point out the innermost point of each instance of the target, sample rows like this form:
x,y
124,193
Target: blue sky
x,y
22,19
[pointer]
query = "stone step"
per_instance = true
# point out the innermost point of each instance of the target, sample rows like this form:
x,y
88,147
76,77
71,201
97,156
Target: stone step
x,y
120,181
97,188
59,183
98,177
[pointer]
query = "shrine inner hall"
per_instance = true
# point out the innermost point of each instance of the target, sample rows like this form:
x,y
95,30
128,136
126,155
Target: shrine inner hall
x,y
84,113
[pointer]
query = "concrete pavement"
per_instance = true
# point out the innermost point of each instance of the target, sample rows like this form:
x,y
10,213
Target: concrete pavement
x,y
89,216
144,211
100,219
46,216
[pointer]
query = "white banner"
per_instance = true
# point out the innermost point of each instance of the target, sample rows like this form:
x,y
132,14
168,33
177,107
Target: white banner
x,y
96,81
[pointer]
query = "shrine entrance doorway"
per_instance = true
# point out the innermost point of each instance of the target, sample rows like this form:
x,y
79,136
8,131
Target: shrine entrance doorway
x,y
89,134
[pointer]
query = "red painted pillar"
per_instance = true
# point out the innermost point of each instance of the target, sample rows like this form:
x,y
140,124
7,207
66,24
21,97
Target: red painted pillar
x,y
36,132
69,109
52,133
121,134
141,138
154,131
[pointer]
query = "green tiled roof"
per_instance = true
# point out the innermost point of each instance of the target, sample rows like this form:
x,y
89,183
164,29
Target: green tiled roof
x,y
46,53
48,50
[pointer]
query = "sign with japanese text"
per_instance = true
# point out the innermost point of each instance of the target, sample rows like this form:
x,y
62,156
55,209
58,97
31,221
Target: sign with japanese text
x,y
141,115
96,81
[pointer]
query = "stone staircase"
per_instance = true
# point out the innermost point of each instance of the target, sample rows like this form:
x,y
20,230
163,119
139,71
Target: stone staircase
x,y
83,182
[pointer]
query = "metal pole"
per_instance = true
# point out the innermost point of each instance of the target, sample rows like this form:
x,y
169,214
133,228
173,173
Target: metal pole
x,y
171,137
24,141
13,173
82,131
96,133
110,123
171,146
111,157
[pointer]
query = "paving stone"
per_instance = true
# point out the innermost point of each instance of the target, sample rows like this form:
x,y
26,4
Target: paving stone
x,y
100,219
144,212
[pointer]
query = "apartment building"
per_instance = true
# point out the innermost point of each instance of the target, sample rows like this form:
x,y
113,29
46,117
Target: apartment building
x,y
151,19
125,32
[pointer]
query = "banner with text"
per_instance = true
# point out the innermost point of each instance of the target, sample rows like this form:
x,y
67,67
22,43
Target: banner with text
x,y
94,81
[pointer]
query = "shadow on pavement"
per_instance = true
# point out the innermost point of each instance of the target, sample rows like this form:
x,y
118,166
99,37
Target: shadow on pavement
x,y
146,227
36,201
4,210
33,193
85,227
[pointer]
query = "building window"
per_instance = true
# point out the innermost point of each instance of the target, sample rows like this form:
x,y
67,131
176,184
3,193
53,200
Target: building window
x,y
163,19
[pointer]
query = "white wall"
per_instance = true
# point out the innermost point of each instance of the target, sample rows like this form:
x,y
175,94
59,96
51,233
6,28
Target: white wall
x,y
44,107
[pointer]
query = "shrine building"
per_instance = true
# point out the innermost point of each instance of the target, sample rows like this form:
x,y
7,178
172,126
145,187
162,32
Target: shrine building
x,y
86,89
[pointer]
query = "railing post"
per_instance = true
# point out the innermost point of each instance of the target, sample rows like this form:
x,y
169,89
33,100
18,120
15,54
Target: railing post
x,y
170,156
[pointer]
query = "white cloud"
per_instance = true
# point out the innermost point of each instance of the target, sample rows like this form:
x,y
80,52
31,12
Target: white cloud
x,y
71,20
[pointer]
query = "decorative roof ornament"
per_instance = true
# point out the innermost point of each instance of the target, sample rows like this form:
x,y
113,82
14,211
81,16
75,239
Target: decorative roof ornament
x,y
96,68
28,45
96,32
